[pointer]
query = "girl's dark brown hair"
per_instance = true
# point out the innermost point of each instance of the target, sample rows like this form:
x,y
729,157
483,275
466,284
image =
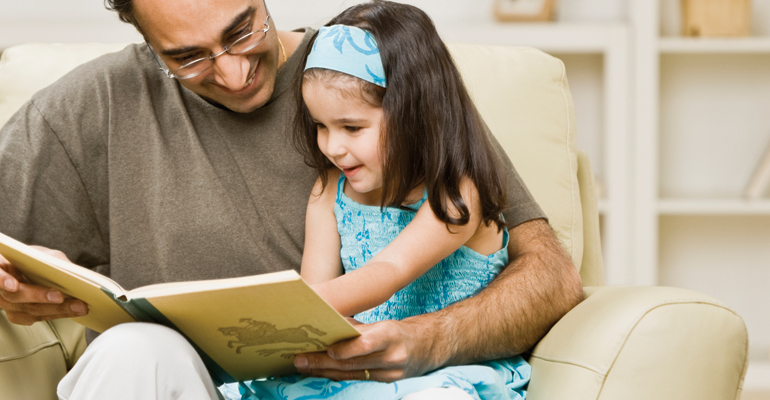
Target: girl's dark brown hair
x,y
433,133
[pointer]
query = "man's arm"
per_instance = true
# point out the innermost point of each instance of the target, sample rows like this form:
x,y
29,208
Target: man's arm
x,y
44,201
505,319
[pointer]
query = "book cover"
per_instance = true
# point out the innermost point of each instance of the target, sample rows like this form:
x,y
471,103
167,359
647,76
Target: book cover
x,y
244,328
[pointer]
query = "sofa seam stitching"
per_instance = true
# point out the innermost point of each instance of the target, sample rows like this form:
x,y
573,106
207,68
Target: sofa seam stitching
x,y
29,352
64,349
556,360
569,158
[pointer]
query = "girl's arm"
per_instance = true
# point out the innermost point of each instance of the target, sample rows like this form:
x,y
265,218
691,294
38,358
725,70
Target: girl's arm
x,y
421,245
321,257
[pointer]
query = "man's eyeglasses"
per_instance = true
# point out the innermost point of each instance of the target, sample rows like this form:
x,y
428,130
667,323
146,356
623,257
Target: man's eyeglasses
x,y
198,66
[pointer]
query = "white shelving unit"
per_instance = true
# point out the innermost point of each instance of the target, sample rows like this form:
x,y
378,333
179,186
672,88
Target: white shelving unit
x,y
700,127
679,45
715,207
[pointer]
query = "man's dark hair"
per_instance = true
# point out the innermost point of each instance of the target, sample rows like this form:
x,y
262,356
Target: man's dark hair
x,y
432,132
125,10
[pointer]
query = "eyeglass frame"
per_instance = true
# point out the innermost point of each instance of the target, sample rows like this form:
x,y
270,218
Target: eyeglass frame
x,y
212,57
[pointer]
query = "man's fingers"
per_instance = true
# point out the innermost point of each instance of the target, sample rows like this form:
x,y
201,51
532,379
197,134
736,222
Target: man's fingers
x,y
19,318
9,276
353,321
39,311
27,293
379,375
25,303
356,347
319,361
322,361
374,338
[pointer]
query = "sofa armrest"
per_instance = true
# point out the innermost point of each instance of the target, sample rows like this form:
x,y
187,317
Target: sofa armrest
x,y
641,343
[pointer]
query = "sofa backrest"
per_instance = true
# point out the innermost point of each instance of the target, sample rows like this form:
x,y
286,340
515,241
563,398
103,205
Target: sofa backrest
x,y
27,68
522,93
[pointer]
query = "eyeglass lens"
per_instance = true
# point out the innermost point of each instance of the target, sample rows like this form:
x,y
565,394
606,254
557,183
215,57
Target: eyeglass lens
x,y
239,46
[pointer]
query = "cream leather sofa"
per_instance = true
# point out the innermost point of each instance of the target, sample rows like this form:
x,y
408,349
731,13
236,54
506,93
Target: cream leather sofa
x,y
621,343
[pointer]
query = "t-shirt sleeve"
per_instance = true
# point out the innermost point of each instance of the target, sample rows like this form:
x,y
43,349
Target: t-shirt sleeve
x,y
521,206
43,200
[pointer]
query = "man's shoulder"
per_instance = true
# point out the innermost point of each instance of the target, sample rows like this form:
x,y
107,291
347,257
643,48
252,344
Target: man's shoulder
x,y
82,102
120,69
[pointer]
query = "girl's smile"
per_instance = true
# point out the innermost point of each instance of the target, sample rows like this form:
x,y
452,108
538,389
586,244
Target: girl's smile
x,y
349,172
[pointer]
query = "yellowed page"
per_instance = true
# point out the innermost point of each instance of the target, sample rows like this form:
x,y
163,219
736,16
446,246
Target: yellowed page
x,y
175,288
72,280
254,332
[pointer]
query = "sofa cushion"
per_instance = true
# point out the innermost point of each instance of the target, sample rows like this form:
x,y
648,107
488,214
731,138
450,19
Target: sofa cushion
x,y
27,68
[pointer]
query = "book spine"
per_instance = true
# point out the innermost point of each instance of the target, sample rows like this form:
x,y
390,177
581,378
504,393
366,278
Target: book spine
x,y
218,374
136,313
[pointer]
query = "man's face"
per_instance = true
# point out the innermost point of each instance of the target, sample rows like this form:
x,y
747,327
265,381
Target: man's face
x,y
182,30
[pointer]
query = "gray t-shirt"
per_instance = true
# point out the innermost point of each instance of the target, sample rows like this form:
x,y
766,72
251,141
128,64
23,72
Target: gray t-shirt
x,y
130,173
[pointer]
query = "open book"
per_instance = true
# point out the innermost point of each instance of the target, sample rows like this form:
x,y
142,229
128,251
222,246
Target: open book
x,y
243,328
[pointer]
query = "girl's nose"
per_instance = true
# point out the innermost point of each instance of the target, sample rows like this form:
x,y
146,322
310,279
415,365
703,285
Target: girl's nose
x,y
335,145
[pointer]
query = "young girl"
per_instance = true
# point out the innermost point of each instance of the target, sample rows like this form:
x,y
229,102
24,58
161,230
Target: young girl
x,y
405,217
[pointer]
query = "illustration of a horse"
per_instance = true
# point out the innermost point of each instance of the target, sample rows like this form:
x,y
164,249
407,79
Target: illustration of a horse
x,y
259,333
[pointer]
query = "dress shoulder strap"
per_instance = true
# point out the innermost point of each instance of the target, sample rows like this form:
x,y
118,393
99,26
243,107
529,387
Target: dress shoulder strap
x,y
340,185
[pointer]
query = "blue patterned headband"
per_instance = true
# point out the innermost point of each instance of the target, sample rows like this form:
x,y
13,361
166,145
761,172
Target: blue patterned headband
x,y
349,50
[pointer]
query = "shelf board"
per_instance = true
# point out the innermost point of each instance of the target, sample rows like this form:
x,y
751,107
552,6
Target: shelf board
x,y
685,45
552,37
714,207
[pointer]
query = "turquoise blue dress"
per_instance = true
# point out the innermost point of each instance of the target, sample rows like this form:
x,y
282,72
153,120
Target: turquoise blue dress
x,y
364,231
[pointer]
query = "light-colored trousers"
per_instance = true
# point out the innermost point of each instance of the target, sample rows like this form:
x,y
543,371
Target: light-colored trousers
x,y
141,361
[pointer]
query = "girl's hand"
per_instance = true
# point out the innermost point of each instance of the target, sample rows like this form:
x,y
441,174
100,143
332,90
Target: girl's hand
x,y
388,350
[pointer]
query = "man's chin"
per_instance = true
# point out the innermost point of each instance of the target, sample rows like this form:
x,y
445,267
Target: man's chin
x,y
235,106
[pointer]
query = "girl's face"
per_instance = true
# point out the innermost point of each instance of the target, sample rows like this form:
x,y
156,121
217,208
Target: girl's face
x,y
349,132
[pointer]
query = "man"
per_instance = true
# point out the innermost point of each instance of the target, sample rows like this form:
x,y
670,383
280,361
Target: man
x,y
189,173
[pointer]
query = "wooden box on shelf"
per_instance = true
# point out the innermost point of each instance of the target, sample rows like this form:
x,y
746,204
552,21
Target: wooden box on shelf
x,y
716,17
524,10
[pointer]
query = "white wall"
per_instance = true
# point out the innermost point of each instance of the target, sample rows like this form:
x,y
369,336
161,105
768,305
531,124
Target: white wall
x,y
87,20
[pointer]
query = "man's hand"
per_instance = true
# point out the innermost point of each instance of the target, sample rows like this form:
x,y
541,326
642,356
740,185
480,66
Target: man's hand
x,y
388,350
25,304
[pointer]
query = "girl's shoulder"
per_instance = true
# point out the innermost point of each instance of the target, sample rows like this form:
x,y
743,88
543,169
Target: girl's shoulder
x,y
326,194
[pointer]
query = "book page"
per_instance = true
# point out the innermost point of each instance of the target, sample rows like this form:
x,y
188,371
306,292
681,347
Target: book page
x,y
177,288
255,331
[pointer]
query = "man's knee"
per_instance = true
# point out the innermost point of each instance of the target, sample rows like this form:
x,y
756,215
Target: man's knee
x,y
139,361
